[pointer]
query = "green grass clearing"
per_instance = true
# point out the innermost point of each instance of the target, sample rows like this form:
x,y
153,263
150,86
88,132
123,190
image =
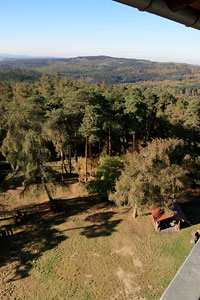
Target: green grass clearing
x,y
91,251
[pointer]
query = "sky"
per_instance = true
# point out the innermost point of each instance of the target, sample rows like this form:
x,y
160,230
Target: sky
x,y
70,28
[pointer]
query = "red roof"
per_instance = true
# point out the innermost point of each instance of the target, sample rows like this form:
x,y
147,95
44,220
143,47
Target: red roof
x,y
159,215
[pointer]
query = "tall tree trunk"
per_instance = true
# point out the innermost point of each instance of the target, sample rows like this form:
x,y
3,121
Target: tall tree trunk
x,y
86,154
135,214
62,163
109,143
133,143
47,191
75,148
122,145
70,161
75,154
65,168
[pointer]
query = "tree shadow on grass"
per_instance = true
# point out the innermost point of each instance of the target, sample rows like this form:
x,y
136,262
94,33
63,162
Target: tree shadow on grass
x,y
38,234
9,180
26,246
102,226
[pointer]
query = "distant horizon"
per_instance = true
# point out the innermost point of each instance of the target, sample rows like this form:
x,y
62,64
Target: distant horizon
x,y
66,29
23,56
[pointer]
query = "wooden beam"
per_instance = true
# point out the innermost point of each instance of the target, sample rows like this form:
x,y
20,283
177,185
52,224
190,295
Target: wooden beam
x,y
175,5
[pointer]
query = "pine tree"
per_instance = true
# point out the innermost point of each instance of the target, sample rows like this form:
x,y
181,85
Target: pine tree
x,y
151,178
135,110
91,125
113,118
25,145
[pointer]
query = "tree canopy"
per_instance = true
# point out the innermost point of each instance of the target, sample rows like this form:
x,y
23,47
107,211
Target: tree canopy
x,y
151,177
70,118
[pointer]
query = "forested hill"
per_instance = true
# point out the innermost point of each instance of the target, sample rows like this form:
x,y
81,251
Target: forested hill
x,y
95,69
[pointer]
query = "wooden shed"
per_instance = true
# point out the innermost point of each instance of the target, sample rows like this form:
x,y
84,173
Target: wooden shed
x,y
172,219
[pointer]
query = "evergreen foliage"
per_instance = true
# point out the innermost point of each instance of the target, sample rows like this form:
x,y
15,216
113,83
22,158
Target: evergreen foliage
x,y
103,68
74,119
25,143
150,178
107,173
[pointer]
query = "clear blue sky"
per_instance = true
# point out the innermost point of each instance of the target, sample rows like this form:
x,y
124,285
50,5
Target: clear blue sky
x,y
68,28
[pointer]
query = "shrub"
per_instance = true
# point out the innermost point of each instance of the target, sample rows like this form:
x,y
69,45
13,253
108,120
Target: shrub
x,y
107,173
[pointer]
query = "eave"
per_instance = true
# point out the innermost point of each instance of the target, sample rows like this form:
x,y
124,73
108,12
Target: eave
x,y
186,12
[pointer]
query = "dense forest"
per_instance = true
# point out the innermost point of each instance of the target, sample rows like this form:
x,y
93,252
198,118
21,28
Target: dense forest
x,y
64,118
178,79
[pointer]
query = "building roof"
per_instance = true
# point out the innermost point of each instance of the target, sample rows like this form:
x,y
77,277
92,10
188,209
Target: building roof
x,y
185,285
159,215
186,12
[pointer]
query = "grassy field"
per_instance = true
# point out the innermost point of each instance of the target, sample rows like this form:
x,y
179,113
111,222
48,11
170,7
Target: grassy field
x,y
90,251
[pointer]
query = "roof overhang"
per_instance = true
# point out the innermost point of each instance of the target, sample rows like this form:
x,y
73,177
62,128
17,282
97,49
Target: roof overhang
x,y
175,212
186,12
